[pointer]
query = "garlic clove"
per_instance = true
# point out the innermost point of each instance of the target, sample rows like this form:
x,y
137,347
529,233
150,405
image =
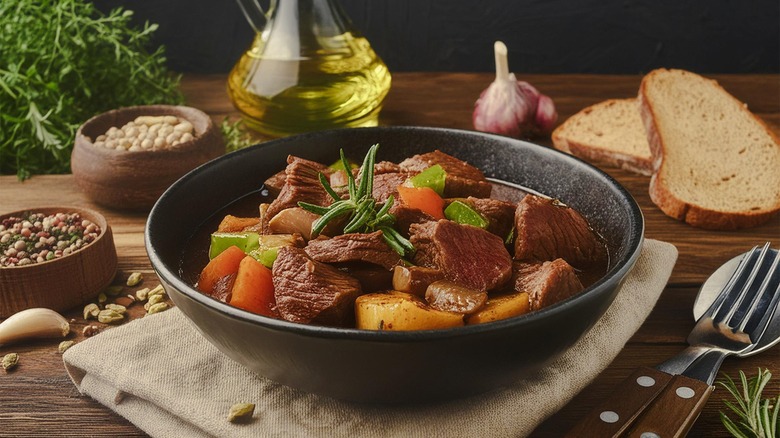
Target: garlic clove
x,y
546,115
33,323
511,107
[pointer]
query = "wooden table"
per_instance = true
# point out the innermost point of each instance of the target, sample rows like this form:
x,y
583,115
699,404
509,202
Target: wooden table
x,y
38,399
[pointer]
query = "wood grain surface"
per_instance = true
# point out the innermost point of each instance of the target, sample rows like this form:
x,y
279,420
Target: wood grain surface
x,y
38,399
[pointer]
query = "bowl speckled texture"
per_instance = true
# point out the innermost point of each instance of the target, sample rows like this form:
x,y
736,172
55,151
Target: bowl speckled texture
x,y
395,367
134,180
65,282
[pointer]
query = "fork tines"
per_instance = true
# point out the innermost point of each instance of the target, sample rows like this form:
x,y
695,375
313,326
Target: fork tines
x,y
750,297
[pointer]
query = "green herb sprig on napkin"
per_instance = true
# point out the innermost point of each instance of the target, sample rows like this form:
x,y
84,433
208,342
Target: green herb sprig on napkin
x,y
62,62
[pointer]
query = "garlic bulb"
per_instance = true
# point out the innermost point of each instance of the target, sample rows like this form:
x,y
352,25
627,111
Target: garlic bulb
x,y
511,107
33,323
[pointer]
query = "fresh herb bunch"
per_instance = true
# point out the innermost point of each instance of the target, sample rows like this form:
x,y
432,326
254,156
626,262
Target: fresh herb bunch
x,y
63,61
757,418
360,207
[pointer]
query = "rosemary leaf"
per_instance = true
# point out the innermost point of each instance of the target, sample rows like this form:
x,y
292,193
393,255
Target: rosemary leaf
x,y
757,417
328,188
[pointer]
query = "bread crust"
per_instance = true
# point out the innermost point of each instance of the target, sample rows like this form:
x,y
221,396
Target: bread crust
x,y
666,200
595,153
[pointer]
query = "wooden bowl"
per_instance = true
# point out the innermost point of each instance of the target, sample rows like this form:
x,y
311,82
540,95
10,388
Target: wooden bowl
x,y
64,282
134,180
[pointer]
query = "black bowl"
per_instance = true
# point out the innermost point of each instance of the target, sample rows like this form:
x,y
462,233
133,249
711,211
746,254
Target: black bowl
x,y
372,366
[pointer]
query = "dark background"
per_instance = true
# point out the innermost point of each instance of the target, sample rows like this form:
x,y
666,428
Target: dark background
x,y
543,36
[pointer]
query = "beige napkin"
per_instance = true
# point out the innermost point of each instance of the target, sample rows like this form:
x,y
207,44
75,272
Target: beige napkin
x,y
159,373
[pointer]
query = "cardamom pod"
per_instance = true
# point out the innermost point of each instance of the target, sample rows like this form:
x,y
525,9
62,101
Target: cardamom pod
x,y
102,298
118,308
91,310
158,290
10,361
135,279
108,316
154,299
157,308
64,345
142,294
241,412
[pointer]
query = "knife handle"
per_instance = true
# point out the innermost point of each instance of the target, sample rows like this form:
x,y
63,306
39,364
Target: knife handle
x,y
674,410
613,416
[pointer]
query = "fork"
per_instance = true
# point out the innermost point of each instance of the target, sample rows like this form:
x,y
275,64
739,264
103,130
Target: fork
x,y
671,396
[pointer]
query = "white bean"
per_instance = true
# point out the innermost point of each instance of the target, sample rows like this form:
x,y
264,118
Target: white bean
x,y
184,126
173,136
186,137
148,120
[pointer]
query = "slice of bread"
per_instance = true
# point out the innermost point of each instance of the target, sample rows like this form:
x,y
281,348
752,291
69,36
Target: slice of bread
x,y
718,164
609,132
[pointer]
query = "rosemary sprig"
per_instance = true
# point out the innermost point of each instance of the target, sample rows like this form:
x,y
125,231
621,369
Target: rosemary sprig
x,y
360,207
757,418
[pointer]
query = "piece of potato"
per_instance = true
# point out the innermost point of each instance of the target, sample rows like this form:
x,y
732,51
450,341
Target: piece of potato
x,y
400,311
501,307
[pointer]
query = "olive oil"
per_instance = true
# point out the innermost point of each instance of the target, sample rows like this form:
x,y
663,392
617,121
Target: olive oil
x,y
309,84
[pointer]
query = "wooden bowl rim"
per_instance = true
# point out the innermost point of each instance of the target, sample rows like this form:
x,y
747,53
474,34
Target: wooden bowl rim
x,y
187,112
86,213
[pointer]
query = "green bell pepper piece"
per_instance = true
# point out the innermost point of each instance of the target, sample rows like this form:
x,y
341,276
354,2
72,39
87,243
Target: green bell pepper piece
x,y
268,248
265,256
433,177
222,241
462,213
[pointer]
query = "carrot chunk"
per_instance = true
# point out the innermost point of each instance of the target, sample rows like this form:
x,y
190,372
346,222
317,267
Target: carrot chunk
x,y
422,198
226,263
253,289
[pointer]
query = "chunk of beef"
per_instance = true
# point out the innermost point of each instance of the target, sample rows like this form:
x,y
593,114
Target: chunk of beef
x,y
463,179
387,184
500,214
275,183
546,230
366,247
465,254
452,165
308,291
458,187
405,216
372,278
302,184
547,282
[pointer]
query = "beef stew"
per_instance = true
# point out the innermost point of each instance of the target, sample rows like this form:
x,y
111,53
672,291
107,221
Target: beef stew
x,y
520,257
